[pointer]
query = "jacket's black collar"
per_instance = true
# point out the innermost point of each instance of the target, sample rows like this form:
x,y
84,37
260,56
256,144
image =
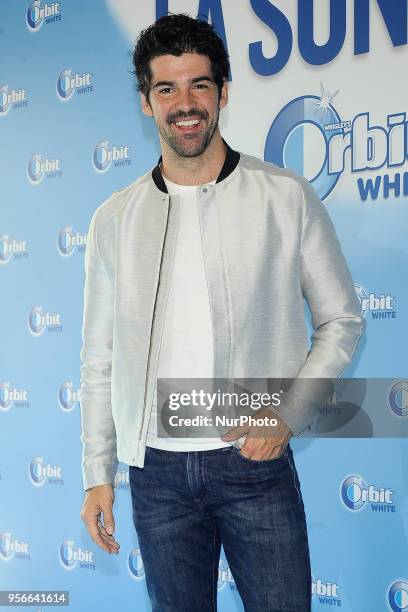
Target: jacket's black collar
x,y
230,163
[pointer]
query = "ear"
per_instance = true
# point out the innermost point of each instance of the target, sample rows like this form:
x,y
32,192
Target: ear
x,y
146,108
224,95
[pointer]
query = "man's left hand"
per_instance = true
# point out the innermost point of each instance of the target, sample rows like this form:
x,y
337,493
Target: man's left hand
x,y
262,441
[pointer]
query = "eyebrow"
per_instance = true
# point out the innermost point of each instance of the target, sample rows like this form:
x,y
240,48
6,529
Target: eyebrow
x,y
194,80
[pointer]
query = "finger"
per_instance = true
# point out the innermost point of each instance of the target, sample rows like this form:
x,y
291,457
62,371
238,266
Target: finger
x,y
109,538
251,446
246,452
234,433
251,454
114,546
108,520
96,536
261,450
102,528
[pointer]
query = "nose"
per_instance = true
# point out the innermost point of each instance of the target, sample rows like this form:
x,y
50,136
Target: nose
x,y
186,100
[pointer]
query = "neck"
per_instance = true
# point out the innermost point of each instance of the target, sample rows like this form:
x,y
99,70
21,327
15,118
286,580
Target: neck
x,y
194,170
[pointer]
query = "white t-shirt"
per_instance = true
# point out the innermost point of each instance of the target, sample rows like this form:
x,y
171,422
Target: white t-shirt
x,y
186,349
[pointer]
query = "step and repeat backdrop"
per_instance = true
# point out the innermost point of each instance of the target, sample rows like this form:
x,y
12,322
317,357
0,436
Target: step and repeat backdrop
x,y
319,87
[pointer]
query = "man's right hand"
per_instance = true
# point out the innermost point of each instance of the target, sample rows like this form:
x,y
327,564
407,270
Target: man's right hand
x,y
99,500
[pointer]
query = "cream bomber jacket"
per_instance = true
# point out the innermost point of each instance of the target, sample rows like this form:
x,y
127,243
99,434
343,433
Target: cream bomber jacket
x,y
268,243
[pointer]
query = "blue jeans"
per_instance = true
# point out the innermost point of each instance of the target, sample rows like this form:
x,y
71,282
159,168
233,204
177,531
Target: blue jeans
x,y
186,504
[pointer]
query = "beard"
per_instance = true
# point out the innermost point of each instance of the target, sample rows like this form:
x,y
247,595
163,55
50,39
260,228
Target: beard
x,y
189,145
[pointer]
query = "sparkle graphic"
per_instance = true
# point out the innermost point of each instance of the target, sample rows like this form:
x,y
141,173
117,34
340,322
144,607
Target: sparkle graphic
x,y
325,100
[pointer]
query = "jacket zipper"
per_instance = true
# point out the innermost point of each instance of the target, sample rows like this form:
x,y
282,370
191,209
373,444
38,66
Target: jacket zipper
x,y
152,325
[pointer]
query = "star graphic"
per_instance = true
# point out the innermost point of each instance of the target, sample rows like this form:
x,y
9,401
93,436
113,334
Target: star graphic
x,y
325,100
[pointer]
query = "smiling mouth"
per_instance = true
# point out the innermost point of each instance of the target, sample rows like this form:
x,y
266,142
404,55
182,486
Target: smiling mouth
x,y
189,125
187,122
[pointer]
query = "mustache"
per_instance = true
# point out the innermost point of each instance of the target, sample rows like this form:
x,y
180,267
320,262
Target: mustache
x,y
180,115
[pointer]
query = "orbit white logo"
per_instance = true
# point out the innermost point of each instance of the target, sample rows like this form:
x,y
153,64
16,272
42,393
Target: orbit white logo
x,y
397,596
37,14
356,494
122,479
70,556
38,321
41,472
104,156
135,564
11,247
69,81
225,576
39,167
11,396
380,306
68,396
327,593
309,136
11,547
12,98
70,241
398,398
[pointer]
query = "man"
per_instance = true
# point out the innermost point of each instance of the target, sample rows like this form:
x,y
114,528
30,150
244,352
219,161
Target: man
x,y
199,269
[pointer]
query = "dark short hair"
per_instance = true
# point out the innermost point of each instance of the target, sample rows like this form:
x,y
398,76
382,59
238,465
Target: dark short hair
x,y
175,34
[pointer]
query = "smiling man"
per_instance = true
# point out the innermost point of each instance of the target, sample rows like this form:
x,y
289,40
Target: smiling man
x,y
186,133
186,111
198,269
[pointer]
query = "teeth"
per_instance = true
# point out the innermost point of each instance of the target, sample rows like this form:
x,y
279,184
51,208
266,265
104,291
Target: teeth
x,y
188,123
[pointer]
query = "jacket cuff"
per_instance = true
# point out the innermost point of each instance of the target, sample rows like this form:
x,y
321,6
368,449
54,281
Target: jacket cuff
x,y
99,473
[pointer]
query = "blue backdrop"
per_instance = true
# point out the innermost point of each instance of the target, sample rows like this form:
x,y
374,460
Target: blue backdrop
x,y
72,133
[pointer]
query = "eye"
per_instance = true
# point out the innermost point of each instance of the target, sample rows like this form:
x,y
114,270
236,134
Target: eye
x,y
165,90
202,86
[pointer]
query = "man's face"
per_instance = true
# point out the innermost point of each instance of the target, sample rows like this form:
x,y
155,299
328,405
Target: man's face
x,y
184,101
